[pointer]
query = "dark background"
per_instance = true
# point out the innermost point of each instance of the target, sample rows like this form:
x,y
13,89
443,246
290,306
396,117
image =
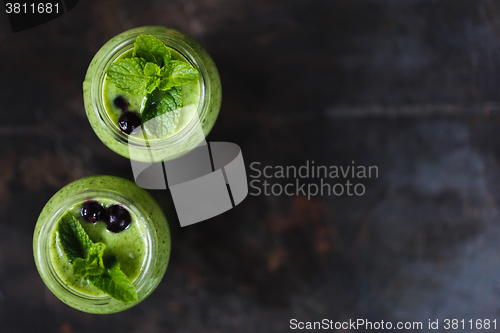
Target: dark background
x,y
409,86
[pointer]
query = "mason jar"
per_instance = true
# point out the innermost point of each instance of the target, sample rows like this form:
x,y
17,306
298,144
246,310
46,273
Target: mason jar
x,y
192,129
143,249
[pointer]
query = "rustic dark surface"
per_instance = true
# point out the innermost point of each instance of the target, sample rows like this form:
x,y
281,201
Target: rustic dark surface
x,y
409,86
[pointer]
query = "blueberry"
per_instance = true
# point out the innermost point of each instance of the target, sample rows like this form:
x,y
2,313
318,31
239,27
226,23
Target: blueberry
x,y
92,211
128,122
118,218
121,103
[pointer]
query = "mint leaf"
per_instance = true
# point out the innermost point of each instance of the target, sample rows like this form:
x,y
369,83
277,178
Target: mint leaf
x,y
154,71
151,49
161,115
151,69
115,283
134,75
82,268
74,240
94,265
176,73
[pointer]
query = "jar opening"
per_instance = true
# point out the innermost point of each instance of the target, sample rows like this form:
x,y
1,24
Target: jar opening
x,y
47,239
120,46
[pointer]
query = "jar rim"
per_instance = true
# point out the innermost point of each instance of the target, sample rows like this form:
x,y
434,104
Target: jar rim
x,y
123,43
49,273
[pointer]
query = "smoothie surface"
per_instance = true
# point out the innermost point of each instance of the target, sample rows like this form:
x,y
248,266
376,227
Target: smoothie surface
x,y
129,247
137,102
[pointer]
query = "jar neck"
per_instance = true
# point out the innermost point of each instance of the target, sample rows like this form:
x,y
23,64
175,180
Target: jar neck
x,y
47,232
116,48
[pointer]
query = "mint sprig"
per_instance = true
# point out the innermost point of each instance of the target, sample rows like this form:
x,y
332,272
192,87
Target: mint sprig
x,y
149,68
152,72
86,258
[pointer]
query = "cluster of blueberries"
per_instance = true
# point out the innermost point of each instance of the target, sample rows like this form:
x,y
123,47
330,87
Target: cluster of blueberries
x,y
116,217
129,121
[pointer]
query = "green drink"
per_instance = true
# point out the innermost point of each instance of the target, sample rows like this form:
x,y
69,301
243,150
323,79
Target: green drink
x,y
142,247
106,101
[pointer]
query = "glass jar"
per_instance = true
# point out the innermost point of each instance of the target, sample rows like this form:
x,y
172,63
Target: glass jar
x,y
154,234
136,147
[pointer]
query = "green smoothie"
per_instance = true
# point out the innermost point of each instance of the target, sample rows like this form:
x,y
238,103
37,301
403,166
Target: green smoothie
x,y
141,247
137,102
128,247
188,125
